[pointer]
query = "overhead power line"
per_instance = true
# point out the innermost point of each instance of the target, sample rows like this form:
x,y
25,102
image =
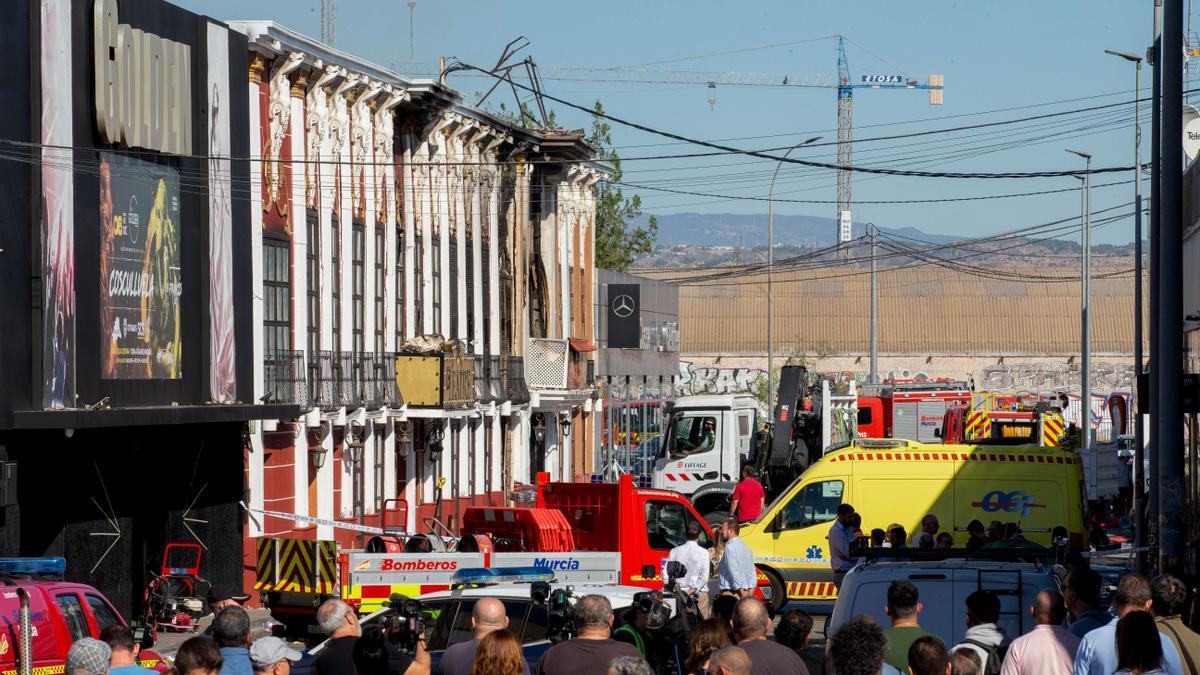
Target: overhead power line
x,y
803,162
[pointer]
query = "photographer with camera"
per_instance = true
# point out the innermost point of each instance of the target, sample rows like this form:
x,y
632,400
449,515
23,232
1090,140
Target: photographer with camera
x,y
593,649
340,622
487,616
633,624
693,556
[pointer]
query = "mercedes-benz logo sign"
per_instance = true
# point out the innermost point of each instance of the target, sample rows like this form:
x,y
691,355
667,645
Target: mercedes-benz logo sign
x,y
622,306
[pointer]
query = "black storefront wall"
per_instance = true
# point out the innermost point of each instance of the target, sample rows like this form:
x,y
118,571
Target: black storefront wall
x,y
147,480
141,471
22,347
173,23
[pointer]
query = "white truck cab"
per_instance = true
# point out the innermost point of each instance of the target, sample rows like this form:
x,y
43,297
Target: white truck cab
x,y
706,443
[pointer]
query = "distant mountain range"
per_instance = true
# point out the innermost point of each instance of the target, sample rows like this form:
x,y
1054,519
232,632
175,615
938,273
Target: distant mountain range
x,y
712,239
750,231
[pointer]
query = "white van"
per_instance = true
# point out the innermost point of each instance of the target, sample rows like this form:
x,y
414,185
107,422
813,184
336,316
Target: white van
x,y
944,587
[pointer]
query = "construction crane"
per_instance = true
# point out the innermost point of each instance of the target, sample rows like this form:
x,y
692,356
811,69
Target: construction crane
x,y
843,82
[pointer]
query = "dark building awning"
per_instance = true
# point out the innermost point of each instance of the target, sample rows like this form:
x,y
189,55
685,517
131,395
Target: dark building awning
x,y
150,416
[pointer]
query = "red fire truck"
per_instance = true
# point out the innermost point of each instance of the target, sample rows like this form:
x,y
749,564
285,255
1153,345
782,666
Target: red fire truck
x,y
912,410
583,532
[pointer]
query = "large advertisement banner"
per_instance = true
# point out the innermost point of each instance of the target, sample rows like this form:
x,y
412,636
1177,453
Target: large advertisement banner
x,y
58,205
140,281
220,222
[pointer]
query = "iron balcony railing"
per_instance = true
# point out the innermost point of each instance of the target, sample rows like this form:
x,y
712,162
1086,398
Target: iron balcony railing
x,y
514,379
353,380
284,378
480,367
381,379
496,379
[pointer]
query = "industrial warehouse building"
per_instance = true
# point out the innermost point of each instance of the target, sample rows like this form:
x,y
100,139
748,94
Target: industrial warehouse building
x,y
1015,327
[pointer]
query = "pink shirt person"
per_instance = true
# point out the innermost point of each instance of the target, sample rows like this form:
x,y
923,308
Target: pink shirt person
x,y
1048,649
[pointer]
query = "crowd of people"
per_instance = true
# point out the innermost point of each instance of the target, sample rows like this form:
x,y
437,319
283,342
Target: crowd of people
x,y
847,529
1071,634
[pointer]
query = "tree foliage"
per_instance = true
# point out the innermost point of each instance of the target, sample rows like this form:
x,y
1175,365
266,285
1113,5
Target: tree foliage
x,y
618,242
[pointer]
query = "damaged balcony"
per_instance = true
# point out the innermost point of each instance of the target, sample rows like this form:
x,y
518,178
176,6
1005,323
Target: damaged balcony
x,y
557,372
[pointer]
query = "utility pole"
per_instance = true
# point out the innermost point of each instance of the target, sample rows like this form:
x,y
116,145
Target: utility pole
x,y
1169,357
329,22
411,6
1154,55
874,379
1139,479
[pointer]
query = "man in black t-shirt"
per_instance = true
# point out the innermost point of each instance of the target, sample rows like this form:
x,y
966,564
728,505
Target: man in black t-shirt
x,y
340,622
593,649
767,657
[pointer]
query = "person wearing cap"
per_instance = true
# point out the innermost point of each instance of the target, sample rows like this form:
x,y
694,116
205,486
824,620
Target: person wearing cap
x,y
271,655
223,594
88,656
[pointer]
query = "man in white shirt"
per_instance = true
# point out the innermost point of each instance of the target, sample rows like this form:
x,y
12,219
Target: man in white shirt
x,y
736,571
695,558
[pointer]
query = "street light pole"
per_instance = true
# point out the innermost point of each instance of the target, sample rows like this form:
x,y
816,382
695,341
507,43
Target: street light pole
x,y
874,379
1085,297
770,275
1139,497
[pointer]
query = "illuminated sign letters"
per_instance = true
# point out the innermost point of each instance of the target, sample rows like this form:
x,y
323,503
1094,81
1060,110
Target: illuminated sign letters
x,y
143,86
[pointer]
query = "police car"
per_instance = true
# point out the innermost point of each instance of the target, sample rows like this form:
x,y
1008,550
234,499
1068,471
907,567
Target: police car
x,y
531,616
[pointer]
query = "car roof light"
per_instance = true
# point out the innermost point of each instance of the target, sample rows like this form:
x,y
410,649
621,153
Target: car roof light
x,y
42,567
881,443
474,576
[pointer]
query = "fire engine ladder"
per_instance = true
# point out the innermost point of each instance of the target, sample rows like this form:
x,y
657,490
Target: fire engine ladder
x,y
982,400
1005,583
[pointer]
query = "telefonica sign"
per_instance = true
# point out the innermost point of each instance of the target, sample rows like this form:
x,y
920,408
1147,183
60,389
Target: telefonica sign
x,y
143,86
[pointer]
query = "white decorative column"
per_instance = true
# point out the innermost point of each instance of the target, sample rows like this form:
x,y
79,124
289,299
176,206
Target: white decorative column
x,y
387,447
297,215
369,459
325,506
344,340
409,244
496,467
363,152
411,491
445,226
254,465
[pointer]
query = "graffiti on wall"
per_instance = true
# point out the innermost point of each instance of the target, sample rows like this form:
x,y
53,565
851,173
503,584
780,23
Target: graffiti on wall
x,y
1055,376
697,379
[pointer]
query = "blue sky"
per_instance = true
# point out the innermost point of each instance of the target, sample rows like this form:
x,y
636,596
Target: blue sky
x,y
1013,54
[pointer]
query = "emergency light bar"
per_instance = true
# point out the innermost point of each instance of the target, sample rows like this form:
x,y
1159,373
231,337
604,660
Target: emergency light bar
x,y
478,576
33,567
881,443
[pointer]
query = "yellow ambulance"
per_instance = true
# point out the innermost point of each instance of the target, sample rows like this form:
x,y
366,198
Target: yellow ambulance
x,y
896,481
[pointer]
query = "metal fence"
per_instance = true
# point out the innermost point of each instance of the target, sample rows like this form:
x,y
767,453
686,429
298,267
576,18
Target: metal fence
x,y
284,378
